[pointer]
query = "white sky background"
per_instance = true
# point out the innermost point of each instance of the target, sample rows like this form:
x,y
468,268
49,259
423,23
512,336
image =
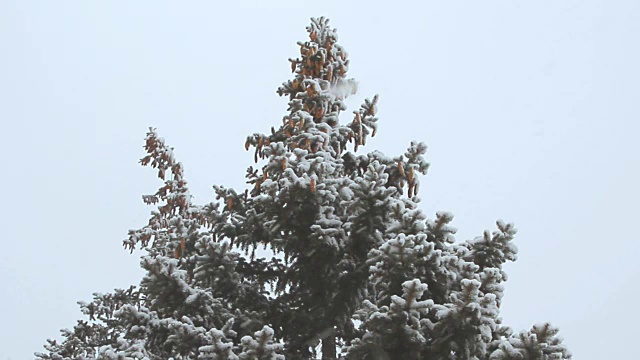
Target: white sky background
x,y
529,108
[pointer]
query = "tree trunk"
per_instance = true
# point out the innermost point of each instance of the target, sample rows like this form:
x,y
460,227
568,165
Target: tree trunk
x,y
329,347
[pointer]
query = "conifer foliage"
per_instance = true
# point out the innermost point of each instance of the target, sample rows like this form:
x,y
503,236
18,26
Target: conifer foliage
x,y
358,270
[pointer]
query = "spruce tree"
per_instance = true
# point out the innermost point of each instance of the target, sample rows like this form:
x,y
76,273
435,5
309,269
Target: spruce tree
x,y
356,270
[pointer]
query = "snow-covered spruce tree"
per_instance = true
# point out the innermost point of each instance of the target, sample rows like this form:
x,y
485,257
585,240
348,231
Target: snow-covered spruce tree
x,y
357,267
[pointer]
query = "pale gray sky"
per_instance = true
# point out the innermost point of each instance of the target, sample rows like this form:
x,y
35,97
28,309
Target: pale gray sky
x,y
529,108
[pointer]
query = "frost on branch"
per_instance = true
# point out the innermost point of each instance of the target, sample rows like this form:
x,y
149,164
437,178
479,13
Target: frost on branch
x,y
394,329
539,343
261,346
493,250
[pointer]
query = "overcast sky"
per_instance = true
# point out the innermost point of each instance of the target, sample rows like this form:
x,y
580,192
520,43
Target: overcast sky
x,y
529,108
